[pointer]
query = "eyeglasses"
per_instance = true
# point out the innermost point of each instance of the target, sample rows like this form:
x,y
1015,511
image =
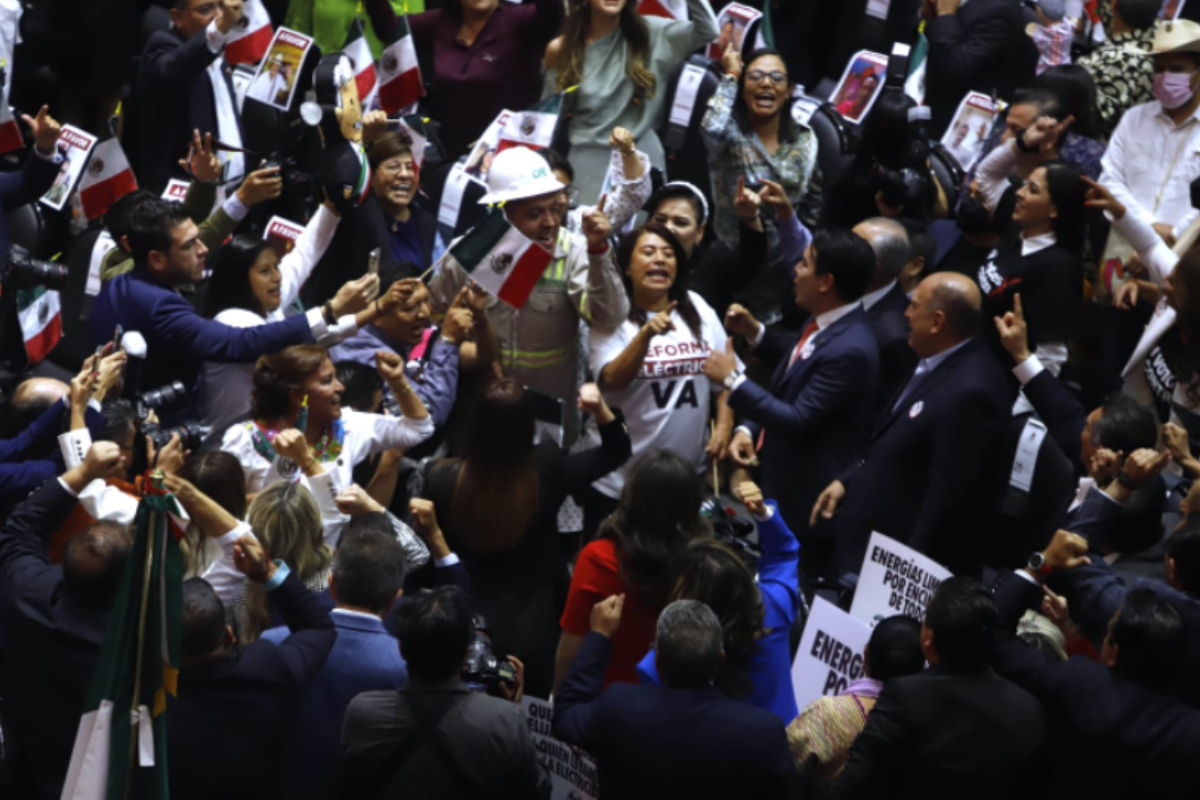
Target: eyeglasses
x,y
572,195
757,75
398,167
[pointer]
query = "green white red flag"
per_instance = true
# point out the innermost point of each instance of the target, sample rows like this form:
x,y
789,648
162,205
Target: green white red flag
x,y
400,84
499,258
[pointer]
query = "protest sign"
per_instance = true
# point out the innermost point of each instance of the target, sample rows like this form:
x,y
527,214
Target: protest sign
x,y
176,190
970,127
281,234
830,656
895,579
861,83
733,23
572,771
75,146
275,81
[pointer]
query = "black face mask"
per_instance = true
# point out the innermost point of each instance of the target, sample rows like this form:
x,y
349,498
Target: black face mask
x,y
973,217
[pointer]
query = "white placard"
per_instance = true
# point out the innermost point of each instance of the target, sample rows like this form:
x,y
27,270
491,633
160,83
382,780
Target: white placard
x,y
970,127
830,656
104,243
732,23
572,771
275,81
895,579
685,95
282,235
176,190
75,145
878,9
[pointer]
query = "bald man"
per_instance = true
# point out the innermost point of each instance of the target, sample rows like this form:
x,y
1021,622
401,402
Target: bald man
x,y
30,457
885,303
927,474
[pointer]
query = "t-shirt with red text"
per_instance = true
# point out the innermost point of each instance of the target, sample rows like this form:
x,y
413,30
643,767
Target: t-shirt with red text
x,y
668,403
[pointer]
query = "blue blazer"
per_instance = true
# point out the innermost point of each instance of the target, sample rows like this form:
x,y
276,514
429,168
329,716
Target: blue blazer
x,y
365,658
926,476
1117,739
817,413
896,359
655,742
179,340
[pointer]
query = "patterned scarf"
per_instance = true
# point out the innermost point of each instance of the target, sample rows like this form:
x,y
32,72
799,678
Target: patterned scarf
x,y
328,447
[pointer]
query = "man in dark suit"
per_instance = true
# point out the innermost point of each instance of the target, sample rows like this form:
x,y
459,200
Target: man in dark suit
x,y
1120,730
814,418
368,572
980,46
239,708
955,730
681,739
885,302
183,85
54,619
435,737
168,253
925,477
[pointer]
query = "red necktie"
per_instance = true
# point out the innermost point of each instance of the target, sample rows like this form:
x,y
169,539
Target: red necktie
x,y
809,330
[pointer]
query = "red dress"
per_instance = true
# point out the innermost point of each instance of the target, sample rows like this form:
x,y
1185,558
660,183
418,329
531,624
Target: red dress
x,y
597,576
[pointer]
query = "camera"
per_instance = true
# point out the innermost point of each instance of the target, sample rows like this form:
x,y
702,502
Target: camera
x,y
172,395
481,669
27,272
731,531
191,434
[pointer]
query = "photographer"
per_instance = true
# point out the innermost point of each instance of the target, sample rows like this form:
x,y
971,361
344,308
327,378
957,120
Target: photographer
x,y
383,732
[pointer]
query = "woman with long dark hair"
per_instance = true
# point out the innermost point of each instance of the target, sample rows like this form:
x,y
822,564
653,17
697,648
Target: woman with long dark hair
x,y
756,615
621,62
1040,258
652,367
752,137
658,516
498,507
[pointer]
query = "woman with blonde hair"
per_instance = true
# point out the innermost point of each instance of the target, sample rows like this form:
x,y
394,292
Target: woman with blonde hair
x,y
620,61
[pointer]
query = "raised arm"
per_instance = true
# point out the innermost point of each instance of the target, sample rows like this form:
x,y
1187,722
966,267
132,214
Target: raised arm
x,y
596,291
297,266
580,469
682,37
576,704
619,372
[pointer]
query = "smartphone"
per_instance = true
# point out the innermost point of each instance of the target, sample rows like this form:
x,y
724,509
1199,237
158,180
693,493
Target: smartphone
x,y
373,261
96,363
117,334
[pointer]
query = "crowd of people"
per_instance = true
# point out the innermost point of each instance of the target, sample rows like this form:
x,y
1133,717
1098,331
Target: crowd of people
x,y
412,503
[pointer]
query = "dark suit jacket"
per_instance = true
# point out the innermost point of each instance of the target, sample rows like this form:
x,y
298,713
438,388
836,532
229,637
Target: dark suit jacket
x,y
946,733
983,48
925,476
52,644
817,413
1117,739
179,340
896,359
479,746
240,712
1065,417
652,741
174,97
29,459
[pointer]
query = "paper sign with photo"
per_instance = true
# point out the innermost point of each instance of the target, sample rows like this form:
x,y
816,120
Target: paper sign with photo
x,y
572,771
830,656
733,22
275,81
282,234
861,83
75,146
970,127
895,579
479,161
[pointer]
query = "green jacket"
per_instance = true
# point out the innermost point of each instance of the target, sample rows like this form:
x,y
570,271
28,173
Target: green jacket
x,y
328,21
215,228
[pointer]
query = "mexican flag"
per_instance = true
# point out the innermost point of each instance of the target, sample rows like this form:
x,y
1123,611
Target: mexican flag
x,y
10,132
359,51
671,9
121,745
500,259
40,315
533,128
412,127
248,42
400,83
914,86
766,28
107,178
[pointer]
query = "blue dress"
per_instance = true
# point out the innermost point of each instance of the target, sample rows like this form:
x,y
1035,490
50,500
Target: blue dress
x,y
778,581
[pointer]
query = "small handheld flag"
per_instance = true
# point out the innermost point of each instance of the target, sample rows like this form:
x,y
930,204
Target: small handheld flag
x,y
499,258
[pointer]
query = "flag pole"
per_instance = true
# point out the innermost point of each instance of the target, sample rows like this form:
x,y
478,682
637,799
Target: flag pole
x,y
156,480
435,265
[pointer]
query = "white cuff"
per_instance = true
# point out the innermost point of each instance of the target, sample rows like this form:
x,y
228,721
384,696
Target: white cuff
x,y
737,381
214,38
227,540
758,337
448,561
70,491
1028,369
744,430
316,321
235,208
74,446
1028,577
770,513
94,404
54,156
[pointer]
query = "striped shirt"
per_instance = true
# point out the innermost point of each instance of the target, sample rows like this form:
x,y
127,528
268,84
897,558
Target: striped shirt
x,y
1053,44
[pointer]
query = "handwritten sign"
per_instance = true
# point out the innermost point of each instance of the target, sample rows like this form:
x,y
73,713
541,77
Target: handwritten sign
x,y
895,579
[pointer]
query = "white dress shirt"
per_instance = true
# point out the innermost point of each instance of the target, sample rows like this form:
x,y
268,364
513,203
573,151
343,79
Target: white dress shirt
x,y
1151,162
227,117
871,298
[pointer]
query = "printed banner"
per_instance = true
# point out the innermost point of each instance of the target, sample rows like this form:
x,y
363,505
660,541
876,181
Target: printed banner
x,y
75,146
830,656
895,579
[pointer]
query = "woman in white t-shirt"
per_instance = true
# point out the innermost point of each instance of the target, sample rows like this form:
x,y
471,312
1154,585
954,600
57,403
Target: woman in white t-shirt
x,y
652,367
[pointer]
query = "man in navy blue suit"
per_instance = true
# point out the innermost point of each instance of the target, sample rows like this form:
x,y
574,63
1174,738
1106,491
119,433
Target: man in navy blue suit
x,y
814,418
1119,729
167,253
885,303
681,739
925,476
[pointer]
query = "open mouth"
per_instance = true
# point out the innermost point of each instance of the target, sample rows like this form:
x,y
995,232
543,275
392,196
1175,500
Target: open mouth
x,y
764,99
658,275
546,242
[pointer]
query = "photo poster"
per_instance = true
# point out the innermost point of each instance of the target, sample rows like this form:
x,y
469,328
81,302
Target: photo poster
x,y
275,81
572,771
1171,9
734,23
479,160
860,85
895,579
281,234
75,146
830,656
970,127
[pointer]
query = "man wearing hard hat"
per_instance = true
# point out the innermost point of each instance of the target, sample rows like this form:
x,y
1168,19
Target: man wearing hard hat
x,y
1154,154
539,344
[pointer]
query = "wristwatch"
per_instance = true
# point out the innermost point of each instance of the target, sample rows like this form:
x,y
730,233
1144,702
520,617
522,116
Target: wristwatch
x,y
1038,566
1124,480
731,378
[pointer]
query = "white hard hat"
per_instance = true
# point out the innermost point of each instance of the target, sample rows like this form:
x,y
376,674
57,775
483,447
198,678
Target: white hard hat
x,y
518,173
